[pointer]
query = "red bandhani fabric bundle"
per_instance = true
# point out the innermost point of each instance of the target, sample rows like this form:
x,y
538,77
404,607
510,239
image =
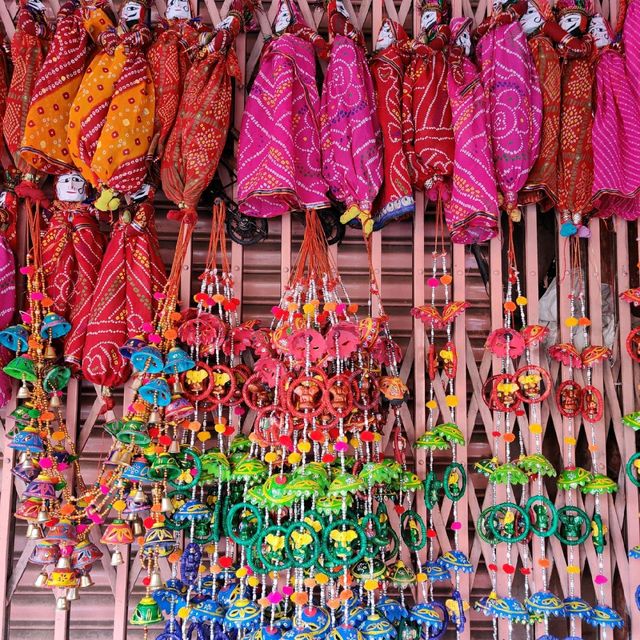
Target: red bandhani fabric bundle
x,y
111,120
169,60
427,131
5,161
279,159
72,250
349,131
542,183
28,50
395,199
194,147
44,145
131,273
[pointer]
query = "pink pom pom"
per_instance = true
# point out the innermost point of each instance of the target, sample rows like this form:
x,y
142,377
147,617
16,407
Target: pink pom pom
x,y
158,295
287,590
456,526
274,597
46,463
341,446
37,295
155,338
105,489
600,579
433,282
147,326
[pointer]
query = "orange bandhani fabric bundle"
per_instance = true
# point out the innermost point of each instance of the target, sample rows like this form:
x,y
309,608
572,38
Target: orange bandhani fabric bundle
x,y
111,120
169,59
44,145
194,147
28,51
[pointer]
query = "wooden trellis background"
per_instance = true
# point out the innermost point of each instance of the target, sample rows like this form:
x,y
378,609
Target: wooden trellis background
x,y
402,253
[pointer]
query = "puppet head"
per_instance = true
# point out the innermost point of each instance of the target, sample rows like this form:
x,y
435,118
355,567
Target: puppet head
x,y
433,12
537,12
390,33
71,187
461,33
145,192
134,12
178,10
600,30
573,16
33,5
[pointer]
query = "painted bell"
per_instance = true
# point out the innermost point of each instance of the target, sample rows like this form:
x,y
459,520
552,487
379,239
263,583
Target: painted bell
x,y
544,602
54,326
63,533
177,361
137,471
45,553
15,338
113,427
62,578
28,440
42,487
159,539
131,346
455,561
56,379
117,532
85,555
375,627
25,413
156,392
26,471
147,612
178,410
29,509
21,368
134,432
164,466
147,359
135,508
242,614
192,511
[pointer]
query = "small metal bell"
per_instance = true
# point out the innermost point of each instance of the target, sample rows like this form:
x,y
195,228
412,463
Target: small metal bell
x,y
155,581
72,594
26,462
33,532
62,604
50,352
85,581
139,497
136,527
174,447
136,383
154,417
23,392
176,388
54,401
43,516
116,558
41,580
166,506
63,563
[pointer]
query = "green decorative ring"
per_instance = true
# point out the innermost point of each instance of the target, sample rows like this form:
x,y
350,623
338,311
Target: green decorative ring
x,y
272,566
523,514
181,459
629,469
326,541
579,514
427,482
543,533
231,530
454,494
169,522
481,527
414,546
315,548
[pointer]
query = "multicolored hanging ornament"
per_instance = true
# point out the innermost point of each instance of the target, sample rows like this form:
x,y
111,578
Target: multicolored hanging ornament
x,y
349,130
280,167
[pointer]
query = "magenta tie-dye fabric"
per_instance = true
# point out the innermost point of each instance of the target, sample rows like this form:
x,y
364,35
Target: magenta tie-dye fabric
x,y
616,140
512,90
7,309
279,161
349,130
472,211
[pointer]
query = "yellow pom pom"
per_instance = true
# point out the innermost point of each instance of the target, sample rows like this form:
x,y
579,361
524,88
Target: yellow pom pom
x,y
432,404
294,458
253,581
119,505
571,322
452,401
271,457
573,569
322,578
521,300
308,308
535,428
370,585
570,441
203,436
241,572
304,446
421,577
220,428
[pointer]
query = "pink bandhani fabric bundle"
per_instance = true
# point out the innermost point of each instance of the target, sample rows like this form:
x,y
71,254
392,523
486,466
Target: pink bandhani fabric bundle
x,y
7,309
279,159
512,90
350,134
472,211
616,140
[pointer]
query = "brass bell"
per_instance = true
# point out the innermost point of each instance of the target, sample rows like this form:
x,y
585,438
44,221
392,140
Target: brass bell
x,y
176,388
63,563
116,558
155,581
136,383
174,447
85,581
54,401
154,417
43,516
136,527
62,604
41,580
72,594
50,352
166,506
33,532
139,497
26,461
23,392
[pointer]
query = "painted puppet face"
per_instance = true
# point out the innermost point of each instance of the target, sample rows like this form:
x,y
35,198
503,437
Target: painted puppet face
x,y
532,20
598,29
428,19
497,6
3,199
71,187
178,10
385,37
341,8
464,40
131,12
571,22
36,5
141,194
284,18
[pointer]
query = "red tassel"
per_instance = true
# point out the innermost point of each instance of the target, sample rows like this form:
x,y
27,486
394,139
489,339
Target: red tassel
x,y
108,403
28,189
188,215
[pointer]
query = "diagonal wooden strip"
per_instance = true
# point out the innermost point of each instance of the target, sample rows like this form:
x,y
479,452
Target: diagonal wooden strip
x,y
20,568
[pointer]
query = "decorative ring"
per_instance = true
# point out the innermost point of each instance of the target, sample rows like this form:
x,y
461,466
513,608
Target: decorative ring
x,y
495,510
524,377
414,545
530,507
339,558
454,494
565,518
233,530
